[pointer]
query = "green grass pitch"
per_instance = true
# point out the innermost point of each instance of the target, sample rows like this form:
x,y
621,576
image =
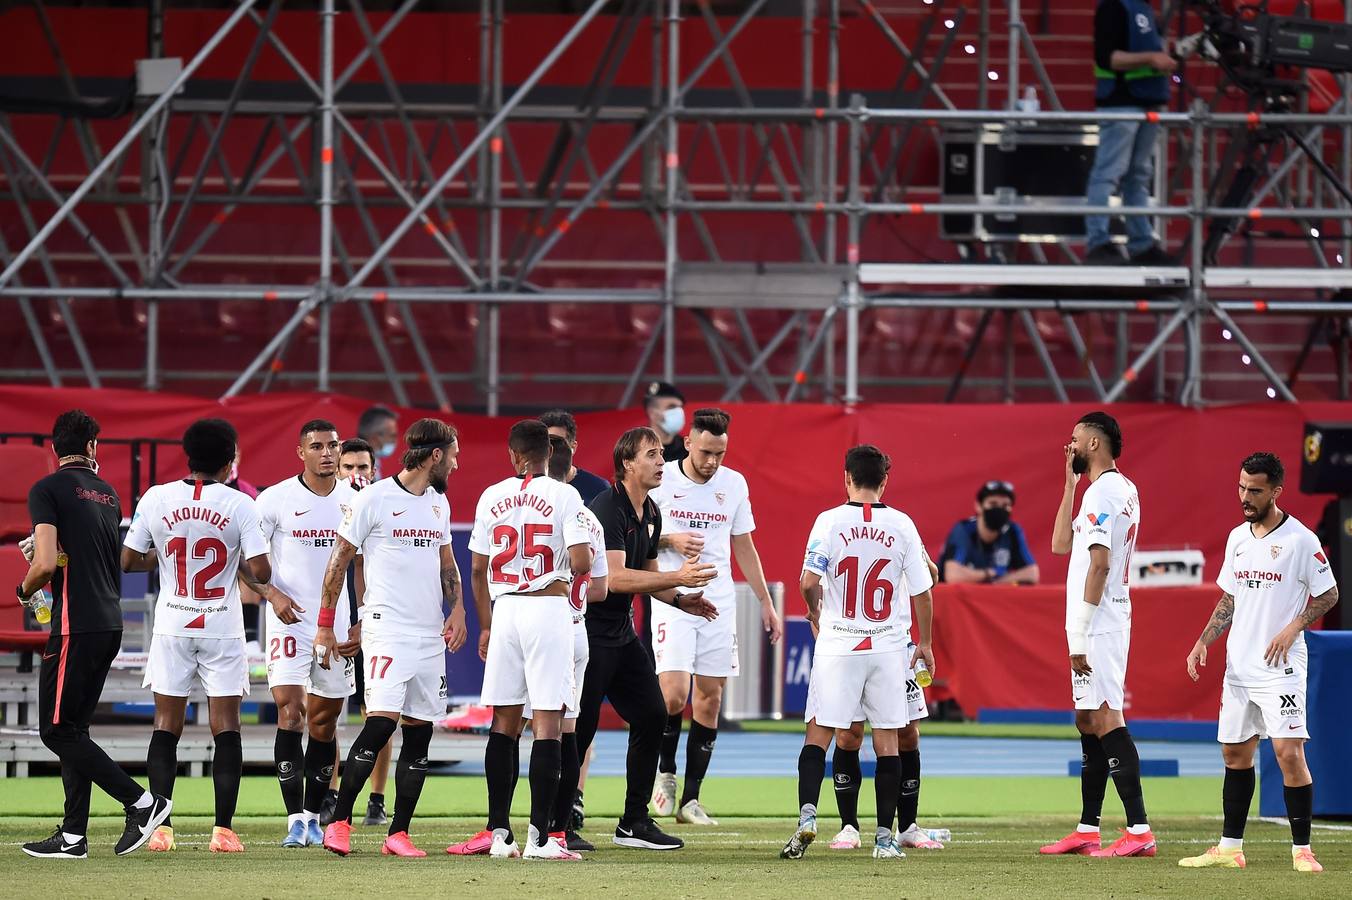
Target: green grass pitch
x,y
997,824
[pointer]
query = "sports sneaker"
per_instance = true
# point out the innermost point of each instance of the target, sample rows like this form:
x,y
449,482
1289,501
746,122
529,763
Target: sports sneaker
x,y
1105,255
1128,845
1303,860
1081,842
579,817
886,847
1219,857
223,840
848,839
56,847
693,814
664,794
328,808
643,834
574,841
375,813
914,837
1154,255
551,849
295,835
503,847
314,835
475,846
803,835
400,844
338,838
162,841
141,824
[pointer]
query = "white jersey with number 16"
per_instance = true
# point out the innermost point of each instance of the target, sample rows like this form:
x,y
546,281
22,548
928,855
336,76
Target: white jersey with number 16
x,y
871,562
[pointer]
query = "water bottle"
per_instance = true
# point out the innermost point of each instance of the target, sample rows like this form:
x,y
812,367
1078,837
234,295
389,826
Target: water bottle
x,y
923,676
942,835
41,605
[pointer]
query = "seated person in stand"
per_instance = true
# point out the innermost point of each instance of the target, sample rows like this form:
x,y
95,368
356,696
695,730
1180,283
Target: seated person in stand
x,y
989,548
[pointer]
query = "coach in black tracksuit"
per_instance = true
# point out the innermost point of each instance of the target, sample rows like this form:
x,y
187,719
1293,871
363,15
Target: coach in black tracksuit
x,y
76,545
619,669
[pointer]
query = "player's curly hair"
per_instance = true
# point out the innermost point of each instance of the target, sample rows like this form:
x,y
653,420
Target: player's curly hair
x,y
1264,463
210,445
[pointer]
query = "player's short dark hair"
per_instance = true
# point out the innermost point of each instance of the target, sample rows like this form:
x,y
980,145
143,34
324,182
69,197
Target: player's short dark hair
x,y
561,418
357,445
1107,426
370,419
210,445
423,437
628,446
867,466
711,419
560,458
1264,463
529,438
317,425
72,431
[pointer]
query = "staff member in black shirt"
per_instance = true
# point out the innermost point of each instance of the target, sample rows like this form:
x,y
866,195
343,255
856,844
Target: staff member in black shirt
x,y
76,547
620,669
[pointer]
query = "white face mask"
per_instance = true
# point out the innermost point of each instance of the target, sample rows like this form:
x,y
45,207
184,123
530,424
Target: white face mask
x,y
673,420
385,450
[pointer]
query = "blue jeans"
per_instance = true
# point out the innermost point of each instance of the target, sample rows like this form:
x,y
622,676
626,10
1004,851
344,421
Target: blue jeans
x,y
1125,160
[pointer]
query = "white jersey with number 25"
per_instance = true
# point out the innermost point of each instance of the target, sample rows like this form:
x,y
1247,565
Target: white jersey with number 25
x,y
871,562
525,525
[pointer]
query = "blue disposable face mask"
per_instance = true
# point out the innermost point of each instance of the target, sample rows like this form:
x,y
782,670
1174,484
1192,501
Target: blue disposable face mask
x,y
385,450
673,420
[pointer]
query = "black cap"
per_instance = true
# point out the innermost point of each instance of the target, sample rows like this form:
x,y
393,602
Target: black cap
x,y
995,487
661,389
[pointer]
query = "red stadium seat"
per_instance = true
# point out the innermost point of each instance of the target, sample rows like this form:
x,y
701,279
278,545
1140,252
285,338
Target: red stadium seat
x,y
23,464
13,635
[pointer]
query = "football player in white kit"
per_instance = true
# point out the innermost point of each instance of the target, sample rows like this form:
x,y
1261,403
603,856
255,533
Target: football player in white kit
x,y
848,778
300,518
1275,582
403,526
203,535
582,592
1100,541
706,515
858,554
530,543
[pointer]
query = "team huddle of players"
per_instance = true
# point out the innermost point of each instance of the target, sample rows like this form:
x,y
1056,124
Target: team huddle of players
x,y
541,557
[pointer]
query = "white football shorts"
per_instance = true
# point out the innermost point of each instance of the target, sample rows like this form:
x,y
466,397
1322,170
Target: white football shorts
x,y
916,706
406,675
530,653
175,662
686,643
581,653
845,689
293,660
1108,682
1269,712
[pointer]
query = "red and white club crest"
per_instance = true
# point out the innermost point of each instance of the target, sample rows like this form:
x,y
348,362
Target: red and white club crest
x,y
436,512
1276,551
720,497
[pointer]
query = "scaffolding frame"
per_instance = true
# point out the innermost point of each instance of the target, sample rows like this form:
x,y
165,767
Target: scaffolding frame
x,y
824,166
